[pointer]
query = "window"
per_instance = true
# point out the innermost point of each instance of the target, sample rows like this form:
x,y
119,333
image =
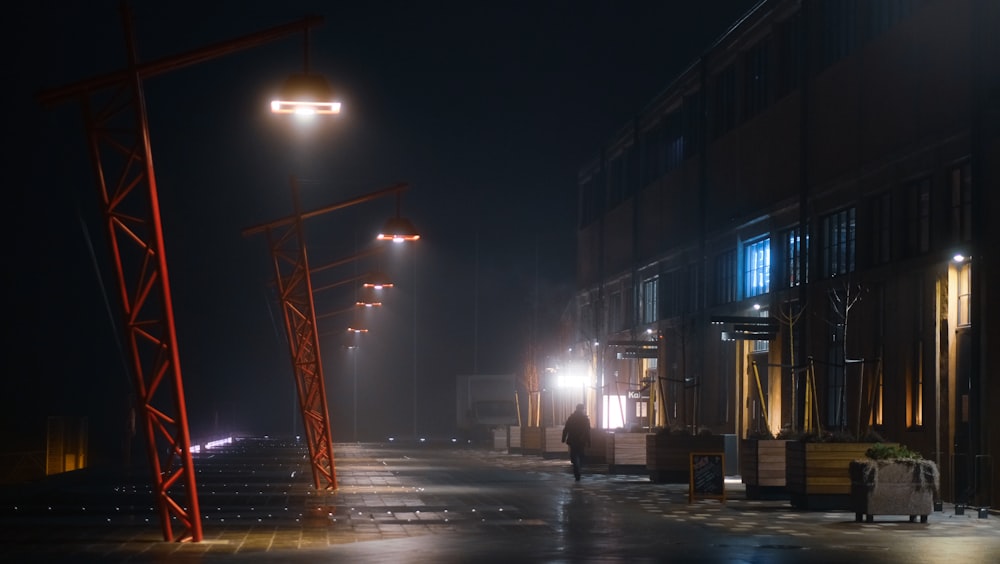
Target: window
x,y
761,346
616,180
586,312
650,301
918,212
757,78
794,257
838,243
789,55
964,295
881,228
836,408
839,30
725,100
915,411
757,263
615,317
692,112
695,292
961,203
883,14
725,277
671,293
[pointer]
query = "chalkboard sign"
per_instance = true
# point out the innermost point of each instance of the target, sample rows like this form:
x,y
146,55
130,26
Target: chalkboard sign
x,y
708,476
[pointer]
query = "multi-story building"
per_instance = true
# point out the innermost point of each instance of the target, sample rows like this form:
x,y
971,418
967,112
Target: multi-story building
x,y
832,166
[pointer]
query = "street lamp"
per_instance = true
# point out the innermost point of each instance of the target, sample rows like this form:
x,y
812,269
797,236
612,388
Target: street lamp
x,y
117,128
293,277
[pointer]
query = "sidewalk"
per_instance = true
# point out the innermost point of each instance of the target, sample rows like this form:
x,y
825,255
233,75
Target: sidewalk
x,y
420,503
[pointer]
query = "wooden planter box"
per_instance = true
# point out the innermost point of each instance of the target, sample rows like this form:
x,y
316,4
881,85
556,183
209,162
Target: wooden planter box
x,y
597,452
626,452
531,440
514,439
500,438
668,457
552,445
893,487
762,468
817,473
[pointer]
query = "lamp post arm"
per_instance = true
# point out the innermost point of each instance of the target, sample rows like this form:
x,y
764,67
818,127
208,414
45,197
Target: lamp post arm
x,y
394,189
52,97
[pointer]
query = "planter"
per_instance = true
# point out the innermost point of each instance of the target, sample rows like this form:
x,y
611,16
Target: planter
x,y
514,439
668,457
893,487
531,440
500,439
762,468
552,445
817,473
626,452
597,452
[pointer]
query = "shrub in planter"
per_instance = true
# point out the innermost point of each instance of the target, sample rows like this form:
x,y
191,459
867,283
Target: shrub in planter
x,y
817,474
893,480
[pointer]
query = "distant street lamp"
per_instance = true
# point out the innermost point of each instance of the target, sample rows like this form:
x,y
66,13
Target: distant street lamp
x,y
293,277
119,145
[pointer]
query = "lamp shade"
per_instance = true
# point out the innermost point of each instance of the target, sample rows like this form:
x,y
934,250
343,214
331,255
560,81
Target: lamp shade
x,y
377,280
398,229
305,93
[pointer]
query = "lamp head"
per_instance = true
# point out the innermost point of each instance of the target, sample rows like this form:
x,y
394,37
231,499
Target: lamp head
x,y
305,94
398,230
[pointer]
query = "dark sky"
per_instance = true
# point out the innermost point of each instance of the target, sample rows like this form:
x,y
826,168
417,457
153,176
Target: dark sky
x,y
487,110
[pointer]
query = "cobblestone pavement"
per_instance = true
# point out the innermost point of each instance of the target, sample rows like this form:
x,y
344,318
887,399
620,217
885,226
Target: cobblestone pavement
x,y
453,503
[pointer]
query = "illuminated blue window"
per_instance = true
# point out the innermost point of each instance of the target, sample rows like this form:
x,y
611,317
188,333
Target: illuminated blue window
x,y
757,263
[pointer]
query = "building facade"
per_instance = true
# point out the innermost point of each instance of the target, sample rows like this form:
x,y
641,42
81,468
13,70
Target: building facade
x,y
828,168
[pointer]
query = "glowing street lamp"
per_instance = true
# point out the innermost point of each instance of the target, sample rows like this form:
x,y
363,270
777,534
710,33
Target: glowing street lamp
x,y
398,229
305,94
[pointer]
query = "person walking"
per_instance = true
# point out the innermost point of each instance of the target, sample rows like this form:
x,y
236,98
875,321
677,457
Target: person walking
x,y
576,434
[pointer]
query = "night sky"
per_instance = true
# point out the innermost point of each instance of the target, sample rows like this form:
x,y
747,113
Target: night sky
x,y
487,110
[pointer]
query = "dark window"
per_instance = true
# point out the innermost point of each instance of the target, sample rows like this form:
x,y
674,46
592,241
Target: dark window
x,y
725,100
789,55
671,293
725,277
839,29
918,214
881,228
961,202
838,238
880,15
793,255
757,78
693,112
836,402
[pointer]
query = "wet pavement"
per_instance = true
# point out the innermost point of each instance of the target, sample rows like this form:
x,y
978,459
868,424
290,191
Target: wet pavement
x,y
453,503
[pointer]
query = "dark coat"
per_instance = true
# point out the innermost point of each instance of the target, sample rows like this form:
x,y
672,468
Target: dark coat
x,y
576,432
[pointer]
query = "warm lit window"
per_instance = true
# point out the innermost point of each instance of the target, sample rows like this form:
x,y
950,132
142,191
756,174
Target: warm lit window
x,y
964,295
916,407
757,264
